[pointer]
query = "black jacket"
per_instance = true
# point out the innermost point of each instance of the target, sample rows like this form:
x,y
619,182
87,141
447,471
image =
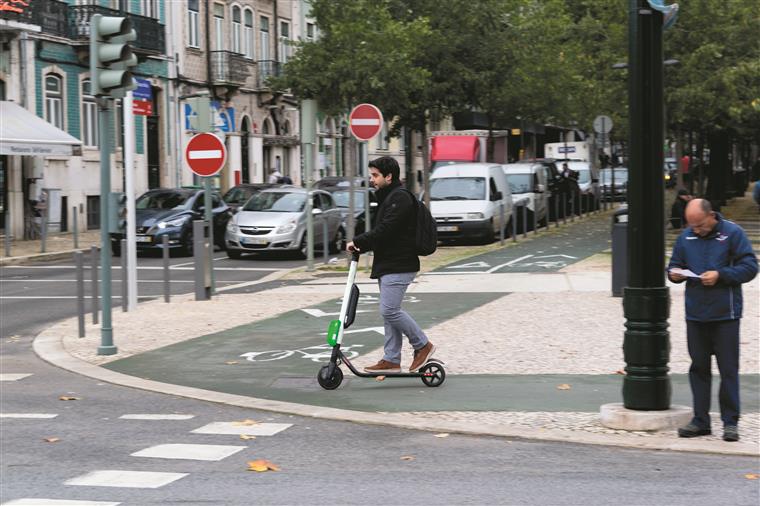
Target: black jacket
x,y
392,236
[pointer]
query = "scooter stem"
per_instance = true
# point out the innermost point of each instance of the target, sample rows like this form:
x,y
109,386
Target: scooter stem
x,y
347,294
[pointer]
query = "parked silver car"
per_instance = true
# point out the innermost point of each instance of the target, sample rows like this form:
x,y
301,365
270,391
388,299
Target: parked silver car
x,y
275,220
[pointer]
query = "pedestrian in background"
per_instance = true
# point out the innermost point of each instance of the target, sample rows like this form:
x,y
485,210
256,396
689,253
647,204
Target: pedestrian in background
x,y
274,176
678,209
395,264
720,254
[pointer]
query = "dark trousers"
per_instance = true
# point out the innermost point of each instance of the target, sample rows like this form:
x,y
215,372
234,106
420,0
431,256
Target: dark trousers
x,y
722,340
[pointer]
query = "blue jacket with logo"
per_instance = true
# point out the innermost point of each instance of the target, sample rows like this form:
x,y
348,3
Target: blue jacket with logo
x,y
727,250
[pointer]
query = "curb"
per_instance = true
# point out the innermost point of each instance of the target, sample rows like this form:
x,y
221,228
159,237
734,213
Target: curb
x,y
39,257
49,347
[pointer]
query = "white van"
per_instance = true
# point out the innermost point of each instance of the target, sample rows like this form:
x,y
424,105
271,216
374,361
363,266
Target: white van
x,y
529,180
466,199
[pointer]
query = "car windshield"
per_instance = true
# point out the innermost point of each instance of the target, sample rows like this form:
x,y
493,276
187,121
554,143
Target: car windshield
x,y
519,183
162,200
458,188
276,202
341,199
237,195
584,175
621,175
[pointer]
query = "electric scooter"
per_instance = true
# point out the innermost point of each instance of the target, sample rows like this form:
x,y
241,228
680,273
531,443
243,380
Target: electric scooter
x,y
330,376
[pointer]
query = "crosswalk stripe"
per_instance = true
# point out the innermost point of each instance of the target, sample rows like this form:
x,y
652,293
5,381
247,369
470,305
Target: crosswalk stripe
x,y
13,376
189,451
28,415
27,501
126,479
238,429
148,416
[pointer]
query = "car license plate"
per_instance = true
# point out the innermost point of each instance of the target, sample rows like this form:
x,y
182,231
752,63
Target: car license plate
x,y
143,238
253,240
448,229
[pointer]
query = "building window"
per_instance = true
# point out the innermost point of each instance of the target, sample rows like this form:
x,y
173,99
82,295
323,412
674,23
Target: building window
x,y
89,116
149,8
236,45
93,212
219,26
54,100
264,36
284,41
248,43
192,23
310,32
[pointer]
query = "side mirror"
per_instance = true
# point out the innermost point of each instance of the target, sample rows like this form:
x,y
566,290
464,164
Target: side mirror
x,y
316,211
595,180
496,195
540,188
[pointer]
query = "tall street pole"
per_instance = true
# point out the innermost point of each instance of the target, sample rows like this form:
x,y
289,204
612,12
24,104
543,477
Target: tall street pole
x,y
308,139
106,330
646,301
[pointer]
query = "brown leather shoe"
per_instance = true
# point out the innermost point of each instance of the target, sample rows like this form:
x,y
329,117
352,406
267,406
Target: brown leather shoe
x,y
383,367
421,356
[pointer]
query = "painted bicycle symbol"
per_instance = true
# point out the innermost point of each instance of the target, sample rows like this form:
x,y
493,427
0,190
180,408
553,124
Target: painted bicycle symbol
x,y
319,353
371,299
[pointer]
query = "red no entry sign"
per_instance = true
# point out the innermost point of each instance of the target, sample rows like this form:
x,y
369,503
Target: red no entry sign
x,y
205,154
365,121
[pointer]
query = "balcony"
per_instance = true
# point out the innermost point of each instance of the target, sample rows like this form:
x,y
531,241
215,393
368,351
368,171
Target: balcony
x,y
228,68
150,33
267,69
50,16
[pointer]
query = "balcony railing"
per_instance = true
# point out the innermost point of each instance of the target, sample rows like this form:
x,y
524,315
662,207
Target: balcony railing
x,y
49,15
228,68
150,33
267,69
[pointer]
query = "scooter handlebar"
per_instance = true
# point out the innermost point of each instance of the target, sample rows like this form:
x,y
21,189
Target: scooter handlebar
x,y
355,255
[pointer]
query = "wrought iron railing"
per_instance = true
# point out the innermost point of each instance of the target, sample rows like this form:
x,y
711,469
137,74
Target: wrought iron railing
x,y
49,15
267,69
228,67
150,33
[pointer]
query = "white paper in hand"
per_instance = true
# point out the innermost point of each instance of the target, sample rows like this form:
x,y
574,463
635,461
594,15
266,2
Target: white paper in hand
x,y
684,272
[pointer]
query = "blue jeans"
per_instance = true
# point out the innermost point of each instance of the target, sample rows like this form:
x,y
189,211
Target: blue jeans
x,y
721,339
397,321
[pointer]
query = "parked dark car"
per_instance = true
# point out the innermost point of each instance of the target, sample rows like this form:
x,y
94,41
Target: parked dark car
x,y
340,181
239,194
620,189
340,195
171,212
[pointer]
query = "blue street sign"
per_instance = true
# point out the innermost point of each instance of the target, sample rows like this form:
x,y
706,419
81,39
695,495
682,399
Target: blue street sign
x,y
224,119
144,91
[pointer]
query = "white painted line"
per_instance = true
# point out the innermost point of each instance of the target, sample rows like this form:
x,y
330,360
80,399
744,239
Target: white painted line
x,y
511,262
156,417
56,502
13,377
28,415
88,281
204,154
454,273
232,429
127,479
55,297
189,452
318,313
469,265
365,121
152,267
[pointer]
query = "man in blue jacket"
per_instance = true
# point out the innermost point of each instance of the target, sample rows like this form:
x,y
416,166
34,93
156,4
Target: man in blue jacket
x,y
720,258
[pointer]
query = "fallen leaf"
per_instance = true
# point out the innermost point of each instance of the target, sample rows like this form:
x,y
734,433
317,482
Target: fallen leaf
x,y
380,378
620,371
563,386
247,436
67,398
231,362
407,457
443,434
245,422
262,466
752,476
51,439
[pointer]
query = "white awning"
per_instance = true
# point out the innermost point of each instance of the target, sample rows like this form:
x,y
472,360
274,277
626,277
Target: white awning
x,y
23,133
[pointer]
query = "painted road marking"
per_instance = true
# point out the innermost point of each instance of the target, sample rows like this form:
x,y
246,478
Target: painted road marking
x,y
511,262
318,313
323,353
235,429
56,502
156,417
13,377
470,265
149,268
189,452
28,415
127,479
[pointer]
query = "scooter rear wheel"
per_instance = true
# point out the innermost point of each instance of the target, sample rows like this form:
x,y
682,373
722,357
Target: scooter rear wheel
x,y
330,382
433,374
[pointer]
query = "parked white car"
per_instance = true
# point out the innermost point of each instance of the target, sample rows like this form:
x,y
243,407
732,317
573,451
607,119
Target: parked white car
x,y
275,220
466,201
529,180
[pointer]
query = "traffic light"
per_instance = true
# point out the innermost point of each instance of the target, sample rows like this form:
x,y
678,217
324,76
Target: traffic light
x,y
110,55
117,212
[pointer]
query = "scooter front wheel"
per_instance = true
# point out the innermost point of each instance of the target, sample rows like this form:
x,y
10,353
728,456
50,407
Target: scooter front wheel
x,y
327,381
433,374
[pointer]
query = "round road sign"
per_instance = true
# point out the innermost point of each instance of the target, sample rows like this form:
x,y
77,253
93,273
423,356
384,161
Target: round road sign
x,y
602,124
365,121
205,154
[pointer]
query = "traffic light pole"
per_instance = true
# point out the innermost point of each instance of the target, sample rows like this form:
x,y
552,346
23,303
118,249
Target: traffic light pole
x,y
106,330
129,190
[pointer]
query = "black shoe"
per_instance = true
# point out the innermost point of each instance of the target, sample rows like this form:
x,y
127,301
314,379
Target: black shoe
x,y
693,430
731,433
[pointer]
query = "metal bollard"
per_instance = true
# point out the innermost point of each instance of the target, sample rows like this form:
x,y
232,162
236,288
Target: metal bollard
x,y
75,226
7,232
325,248
94,255
514,224
124,287
43,233
535,220
79,262
202,278
165,254
572,208
564,208
501,223
525,221
556,213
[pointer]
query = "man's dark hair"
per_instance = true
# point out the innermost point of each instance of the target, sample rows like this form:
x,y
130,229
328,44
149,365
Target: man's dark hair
x,y
387,165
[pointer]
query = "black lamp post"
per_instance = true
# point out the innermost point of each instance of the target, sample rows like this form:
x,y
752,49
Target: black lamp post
x,y
646,301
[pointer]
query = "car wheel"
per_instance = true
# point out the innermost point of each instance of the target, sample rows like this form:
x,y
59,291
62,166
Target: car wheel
x,y
338,243
234,254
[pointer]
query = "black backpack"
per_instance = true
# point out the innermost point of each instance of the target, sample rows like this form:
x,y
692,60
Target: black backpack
x,y
426,238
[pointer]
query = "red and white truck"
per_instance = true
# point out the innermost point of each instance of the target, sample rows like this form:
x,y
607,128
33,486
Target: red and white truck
x,y
463,146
